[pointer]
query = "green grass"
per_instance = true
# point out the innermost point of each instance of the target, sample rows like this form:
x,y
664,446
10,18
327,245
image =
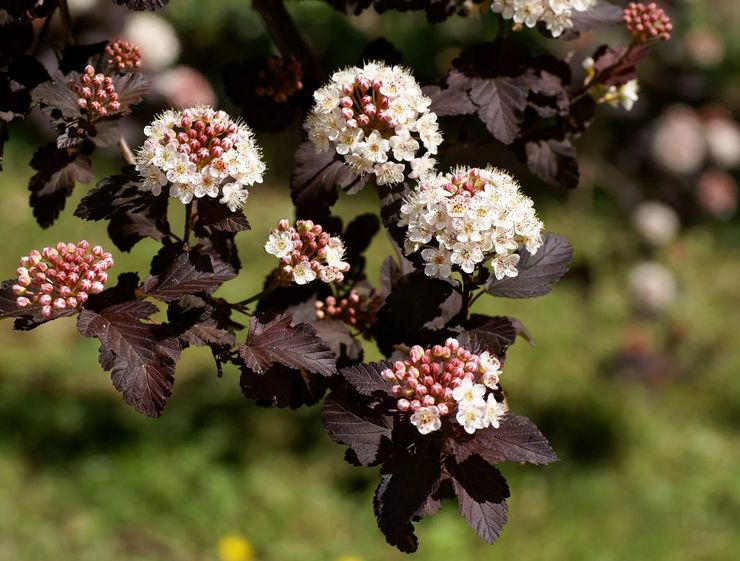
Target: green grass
x,y
648,469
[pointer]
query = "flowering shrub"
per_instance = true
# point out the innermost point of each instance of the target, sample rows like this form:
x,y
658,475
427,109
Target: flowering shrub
x,y
434,415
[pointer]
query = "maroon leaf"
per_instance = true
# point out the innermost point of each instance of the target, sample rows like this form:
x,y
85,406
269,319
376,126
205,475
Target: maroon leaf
x,y
140,5
481,495
449,101
202,323
219,217
536,272
131,88
366,379
363,430
140,355
338,337
273,340
318,175
554,161
57,172
617,66
409,478
176,273
280,386
602,14
493,334
516,440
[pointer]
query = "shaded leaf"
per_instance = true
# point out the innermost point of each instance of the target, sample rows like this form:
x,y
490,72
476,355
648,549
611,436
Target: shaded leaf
x,y
140,5
76,57
177,272
25,318
554,161
449,101
366,379
219,217
481,495
602,14
337,335
280,386
363,430
494,334
516,440
273,340
140,355
202,323
536,272
500,102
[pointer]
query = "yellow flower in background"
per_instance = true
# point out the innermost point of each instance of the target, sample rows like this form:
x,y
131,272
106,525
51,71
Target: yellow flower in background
x,y
350,558
233,547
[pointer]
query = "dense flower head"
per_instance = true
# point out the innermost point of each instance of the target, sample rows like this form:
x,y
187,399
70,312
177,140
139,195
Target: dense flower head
x,y
447,381
96,94
357,309
555,14
61,277
281,79
306,253
378,119
123,56
200,152
647,22
468,216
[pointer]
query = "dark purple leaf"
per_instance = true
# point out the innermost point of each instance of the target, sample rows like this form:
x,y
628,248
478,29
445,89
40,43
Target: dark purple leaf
x,y
177,272
219,217
280,386
200,323
131,88
538,272
516,440
140,5
449,101
57,172
365,379
360,428
28,71
504,57
141,355
273,340
410,477
494,334
337,335
554,161
603,14
350,7
318,175
617,66
481,494
500,103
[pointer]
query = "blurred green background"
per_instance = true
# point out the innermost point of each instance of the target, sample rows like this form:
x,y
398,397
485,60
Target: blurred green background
x,y
642,405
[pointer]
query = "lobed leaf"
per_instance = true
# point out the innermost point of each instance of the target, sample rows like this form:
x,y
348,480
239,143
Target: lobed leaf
x,y
273,340
538,272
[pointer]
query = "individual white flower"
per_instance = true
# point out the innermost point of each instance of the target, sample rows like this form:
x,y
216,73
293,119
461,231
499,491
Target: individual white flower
x,y
528,12
466,255
505,265
437,263
491,369
472,418
335,253
183,191
233,196
625,95
494,412
155,37
303,273
420,167
154,179
373,116
388,173
279,244
504,7
469,394
426,419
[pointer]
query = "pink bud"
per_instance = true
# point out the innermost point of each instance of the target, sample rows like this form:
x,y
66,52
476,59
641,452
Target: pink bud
x,y
46,311
22,302
403,405
443,409
428,400
60,304
45,300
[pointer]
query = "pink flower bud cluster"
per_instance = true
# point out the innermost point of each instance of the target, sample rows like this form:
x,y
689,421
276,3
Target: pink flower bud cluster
x,y
443,381
647,22
123,56
96,94
378,119
61,278
281,79
356,309
306,252
200,152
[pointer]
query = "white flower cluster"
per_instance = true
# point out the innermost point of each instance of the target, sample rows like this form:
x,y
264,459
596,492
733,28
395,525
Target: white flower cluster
x,y
556,14
378,119
468,216
200,152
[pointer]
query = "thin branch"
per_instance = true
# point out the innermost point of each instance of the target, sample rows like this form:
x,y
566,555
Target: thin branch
x,y
288,39
126,152
66,21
